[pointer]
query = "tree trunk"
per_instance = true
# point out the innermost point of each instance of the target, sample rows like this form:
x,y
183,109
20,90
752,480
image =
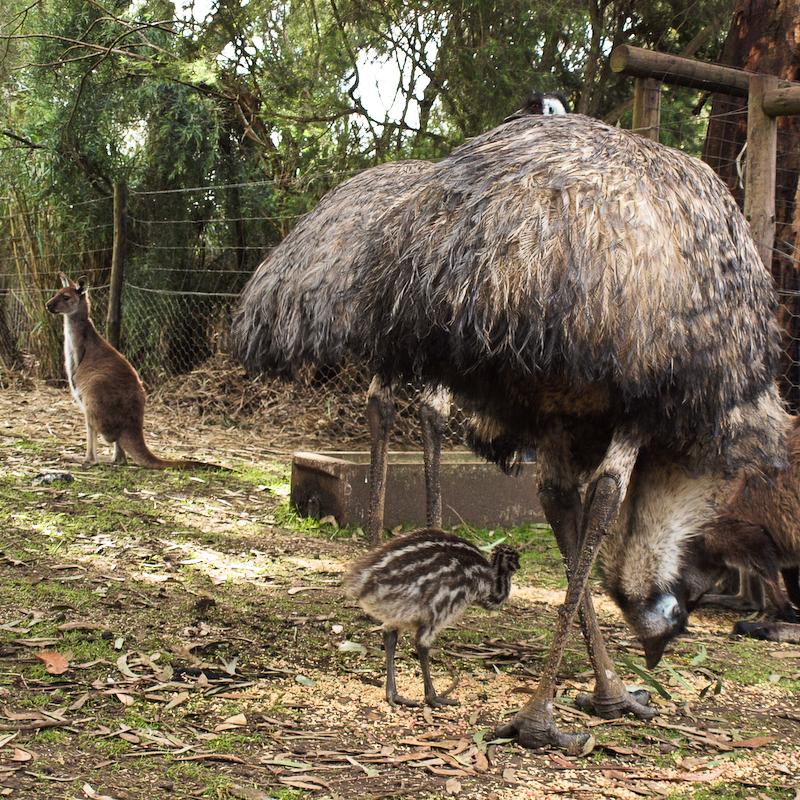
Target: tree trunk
x,y
763,39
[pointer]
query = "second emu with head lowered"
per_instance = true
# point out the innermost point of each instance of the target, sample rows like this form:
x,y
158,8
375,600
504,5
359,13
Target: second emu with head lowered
x,y
423,582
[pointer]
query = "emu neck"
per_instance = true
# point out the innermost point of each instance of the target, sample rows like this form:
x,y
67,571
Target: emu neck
x,y
499,588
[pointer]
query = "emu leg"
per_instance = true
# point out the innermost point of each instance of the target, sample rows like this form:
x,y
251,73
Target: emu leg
x,y
610,698
119,454
534,725
423,652
380,415
433,412
389,646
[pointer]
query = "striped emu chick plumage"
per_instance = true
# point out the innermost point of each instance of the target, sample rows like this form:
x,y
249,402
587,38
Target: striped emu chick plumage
x,y
421,583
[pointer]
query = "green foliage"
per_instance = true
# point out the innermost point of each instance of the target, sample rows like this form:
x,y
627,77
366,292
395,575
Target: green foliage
x,y
147,94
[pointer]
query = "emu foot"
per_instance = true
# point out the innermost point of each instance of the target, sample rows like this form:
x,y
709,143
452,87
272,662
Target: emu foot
x,y
395,699
612,706
438,701
536,729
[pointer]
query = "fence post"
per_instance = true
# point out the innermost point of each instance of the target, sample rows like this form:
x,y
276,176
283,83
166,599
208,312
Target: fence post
x,y
759,184
114,316
647,107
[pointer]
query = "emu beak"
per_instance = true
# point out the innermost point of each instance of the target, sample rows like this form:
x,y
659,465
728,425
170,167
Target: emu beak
x,y
654,650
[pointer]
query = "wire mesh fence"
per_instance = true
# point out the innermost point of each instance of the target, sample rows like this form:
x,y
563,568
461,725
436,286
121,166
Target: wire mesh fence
x,y
190,252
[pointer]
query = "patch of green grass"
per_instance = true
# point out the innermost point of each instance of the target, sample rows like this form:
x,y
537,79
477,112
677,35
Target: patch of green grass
x,y
734,791
272,475
46,594
133,719
233,742
34,699
52,736
540,560
287,517
288,794
749,664
112,747
215,784
25,444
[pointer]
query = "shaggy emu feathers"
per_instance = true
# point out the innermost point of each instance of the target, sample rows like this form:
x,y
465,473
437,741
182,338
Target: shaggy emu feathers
x,y
553,266
563,251
425,580
297,306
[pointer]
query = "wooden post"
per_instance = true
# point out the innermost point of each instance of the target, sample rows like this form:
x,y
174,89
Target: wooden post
x,y
647,107
114,316
678,70
782,99
759,187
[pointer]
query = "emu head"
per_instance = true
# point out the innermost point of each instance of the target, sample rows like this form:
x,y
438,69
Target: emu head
x,y
541,104
505,559
69,299
644,560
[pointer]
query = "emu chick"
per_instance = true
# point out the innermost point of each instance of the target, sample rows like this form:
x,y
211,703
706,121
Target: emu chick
x,y
422,582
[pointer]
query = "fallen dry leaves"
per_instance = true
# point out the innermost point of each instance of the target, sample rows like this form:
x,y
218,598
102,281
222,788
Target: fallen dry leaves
x,y
54,663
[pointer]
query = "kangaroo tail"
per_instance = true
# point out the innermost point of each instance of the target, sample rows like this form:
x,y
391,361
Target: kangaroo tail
x,y
133,444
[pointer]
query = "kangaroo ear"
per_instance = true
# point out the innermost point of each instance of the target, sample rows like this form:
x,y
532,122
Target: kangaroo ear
x,y
65,281
82,287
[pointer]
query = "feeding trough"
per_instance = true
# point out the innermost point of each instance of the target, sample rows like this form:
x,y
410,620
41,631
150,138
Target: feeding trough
x,y
336,484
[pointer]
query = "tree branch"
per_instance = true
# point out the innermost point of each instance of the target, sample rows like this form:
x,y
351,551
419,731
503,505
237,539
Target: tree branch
x,y
24,140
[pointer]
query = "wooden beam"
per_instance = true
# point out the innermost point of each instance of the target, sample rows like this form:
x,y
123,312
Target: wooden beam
x,y
759,187
114,315
680,71
784,99
647,108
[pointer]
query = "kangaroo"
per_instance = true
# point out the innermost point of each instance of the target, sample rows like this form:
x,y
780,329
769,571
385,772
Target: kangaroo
x,y
757,530
104,384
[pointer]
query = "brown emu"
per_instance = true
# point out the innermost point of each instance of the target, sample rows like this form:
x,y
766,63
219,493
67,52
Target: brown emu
x,y
104,385
423,582
297,308
599,296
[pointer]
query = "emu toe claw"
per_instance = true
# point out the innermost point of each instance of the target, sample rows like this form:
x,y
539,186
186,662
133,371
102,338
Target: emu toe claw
x,y
437,701
535,733
399,700
614,706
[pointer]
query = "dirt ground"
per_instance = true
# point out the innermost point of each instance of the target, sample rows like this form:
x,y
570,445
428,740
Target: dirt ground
x,y
177,635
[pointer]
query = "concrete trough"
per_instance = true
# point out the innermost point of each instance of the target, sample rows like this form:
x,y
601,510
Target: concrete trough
x,y
336,484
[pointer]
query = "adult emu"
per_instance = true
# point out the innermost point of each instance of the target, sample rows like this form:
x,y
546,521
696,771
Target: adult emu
x,y
599,296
